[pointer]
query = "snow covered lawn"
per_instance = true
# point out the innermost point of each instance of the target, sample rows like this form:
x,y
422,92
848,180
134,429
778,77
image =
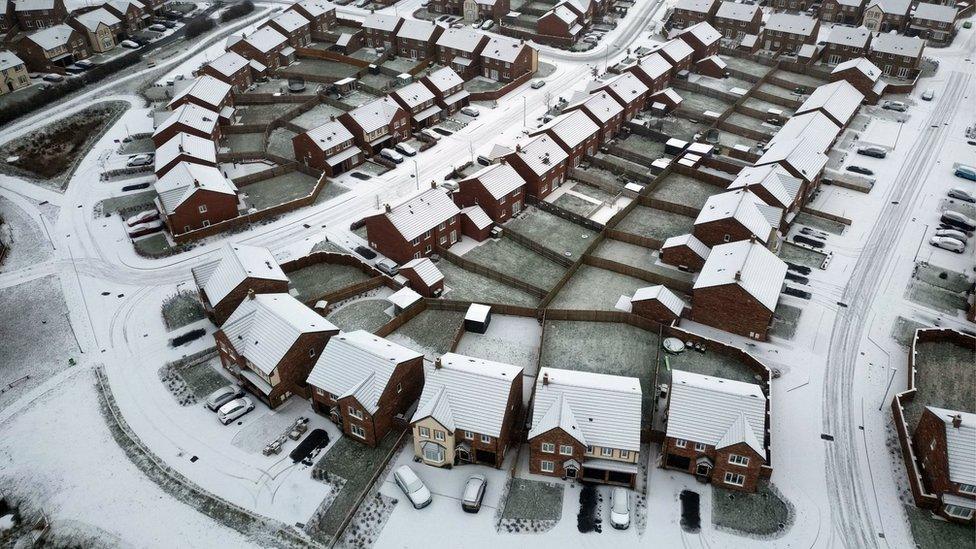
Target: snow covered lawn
x,y
431,332
553,232
316,280
28,244
944,377
512,259
509,339
593,288
464,285
637,256
531,501
935,533
362,314
681,189
763,513
654,223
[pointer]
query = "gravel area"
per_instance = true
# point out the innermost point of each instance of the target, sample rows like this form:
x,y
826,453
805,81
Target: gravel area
x,y
747,66
533,500
264,113
903,331
935,297
575,204
244,142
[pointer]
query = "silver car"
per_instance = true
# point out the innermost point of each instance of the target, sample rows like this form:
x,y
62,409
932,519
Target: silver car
x,y
962,194
474,492
234,409
412,487
222,396
620,509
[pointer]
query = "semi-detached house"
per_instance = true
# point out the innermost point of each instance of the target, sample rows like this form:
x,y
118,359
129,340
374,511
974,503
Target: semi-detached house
x,y
541,162
378,124
846,43
54,48
134,14
603,109
184,147
192,196
787,32
207,92
416,227
460,49
815,128
654,71
498,189
235,70
736,20
678,53
13,73
897,55
737,215
416,39
773,185
575,132
688,12
293,26
329,147
800,158
934,22
629,91
266,46
381,30
420,102
225,282
188,118
448,88
504,59
100,27
703,39
561,21
321,13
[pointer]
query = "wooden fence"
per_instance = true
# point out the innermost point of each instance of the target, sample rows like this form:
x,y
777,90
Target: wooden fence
x,y
502,91
637,240
491,273
558,211
635,272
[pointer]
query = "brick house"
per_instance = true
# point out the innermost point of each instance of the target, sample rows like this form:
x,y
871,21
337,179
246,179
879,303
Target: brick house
x,y
184,147
475,223
321,14
734,20
737,215
481,10
629,91
378,124
329,147
846,43
381,30
773,185
362,382
886,15
934,22
542,163
897,55
845,12
38,14
100,27
800,159
54,47
786,32
654,71
270,343
460,49
207,92
688,12
133,14
603,109
792,5
864,75
657,303
586,426
716,430
420,102
684,252
468,411
8,18
561,21
583,9
225,282
738,289
498,189
191,119
265,45
234,69
424,277
504,59
575,132
703,39
678,53
416,39
814,127
448,89
13,73
416,227
838,101
944,442
293,26
191,196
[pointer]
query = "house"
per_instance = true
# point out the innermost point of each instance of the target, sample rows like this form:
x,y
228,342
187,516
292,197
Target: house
x,y
603,109
448,88
665,101
897,55
586,426
684,252
817,130
363,382
583,9
468,411
419,101
498,189
225,282
944,443
688,12
504,59
703,39
678,53
184,147
799,158
293,26
188,118
475,223
378,124
737,215
846,43
381,30
472,10
191,196
424,277
13,73
320,13
773,185
329,147
786,32
934,22
541,162
53,48
416,227
561,21
270,342
736,20
38,14
738,289
416,39
792,5
845,12
265,45
575,132
864,75
839,101
657,303
460,49
7,17
100,27
627,90
886,15
207,92
716,430
235,70
654,71
133,13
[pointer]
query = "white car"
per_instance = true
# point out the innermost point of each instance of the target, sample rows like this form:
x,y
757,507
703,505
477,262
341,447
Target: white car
x,y
129,44
962,194
431,134
412,487
222,396
157,28
537,84
406,149
391,155
895,106
952,233
928,95
620,509
946,243
139,160
234,409
487,24
471,111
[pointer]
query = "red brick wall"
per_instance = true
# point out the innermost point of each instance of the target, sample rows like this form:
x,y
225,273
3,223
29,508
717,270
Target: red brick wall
x,y
557,437
714,233
418,284
654,310
534,183
471,193
552,26
720,459
220,207
384,238
240,80
731,28
682,256
732,309
409,376
221,311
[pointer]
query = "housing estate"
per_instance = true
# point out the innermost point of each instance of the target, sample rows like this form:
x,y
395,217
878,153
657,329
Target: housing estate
x,y
416,227
241,269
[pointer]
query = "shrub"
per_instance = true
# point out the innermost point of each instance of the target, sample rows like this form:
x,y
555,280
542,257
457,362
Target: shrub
x,y
199,25
237,10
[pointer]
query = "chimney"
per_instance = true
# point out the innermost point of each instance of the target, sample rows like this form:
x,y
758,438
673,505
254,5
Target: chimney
x,y
752,239
957,421
181,147
738,275
250,293
433,184
196,183
545,378
437,363
518,147
387,208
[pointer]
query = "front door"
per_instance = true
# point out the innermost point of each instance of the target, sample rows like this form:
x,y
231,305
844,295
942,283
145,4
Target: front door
x,y
571,472
453,237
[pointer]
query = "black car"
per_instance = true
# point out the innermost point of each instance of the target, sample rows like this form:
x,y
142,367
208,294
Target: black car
x,y
365,252
876,152
860,170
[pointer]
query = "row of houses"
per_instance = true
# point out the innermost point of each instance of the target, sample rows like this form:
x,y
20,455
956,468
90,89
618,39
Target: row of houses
x,y
31,15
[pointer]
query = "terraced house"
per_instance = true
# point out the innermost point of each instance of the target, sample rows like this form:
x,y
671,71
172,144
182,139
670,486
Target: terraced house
x,y
188,118
934,22
321,14
416,227
897,55
416,39
603,109
329,147
209,93
498,189
377,124
266,46
627,90
654,71
736,20
846,43
234,69
541,162
38,14
575,132
184,147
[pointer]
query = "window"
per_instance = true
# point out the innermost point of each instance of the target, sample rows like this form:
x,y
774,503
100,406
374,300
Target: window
x,y
358,414
738,460
680,443
967,489
565,450
735,479
356,430
311,352
427,235
442,226
486,439
438,435
606,452
589,449
625,454
548,447
469,435
547,466
699,447
399,388
958,511
434,453
424,432
427,248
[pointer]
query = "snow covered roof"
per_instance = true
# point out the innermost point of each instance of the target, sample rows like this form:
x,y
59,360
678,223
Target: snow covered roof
x,y
499,180
897,7
444,79
229,63
898,44
627,87
375,114
774,179
9,60
662,294
30,5
466,40
791,23
415,29
596,409
840,100
814,127
237,263
266,39
52,37
414,94
359,364
381,22
315,8
185,179
740,205
736,11
935,12
541,154
856,37
467,394
700,6
563,12
187,145
290,21
571,128
207,89
717,412
122,6
960,444
803,157
654,65
422,213
92,19
503,49
477,216
689,240
862,65
748,264
428,272
264,327
404,297
676,50
600,105
703,32
191,116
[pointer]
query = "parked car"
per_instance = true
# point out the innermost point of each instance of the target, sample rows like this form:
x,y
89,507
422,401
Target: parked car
x,y
431,134
895,106
157,27
484,160
474,492
365,252
962,194
142,229
449,186
620,509
53,77
928,95
73,69
860,170
391,155
363,3
412,487
470,111
537,84
952,233
487,24
958,220
387,267
234,409
218,398
963,171
872,150
129,44
85,64
946,243
406,149
139,160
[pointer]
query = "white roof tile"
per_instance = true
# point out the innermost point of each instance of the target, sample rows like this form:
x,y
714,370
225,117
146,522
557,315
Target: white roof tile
x,y
802,156
414,94
700,6
571,128
498,179
187,145
266,39
415,29
791,23
849,36
477,216
772,177
229,63
381,22
237,263
662,294
184,179
192,116
503,49
466,40
838,99
92,19
704,32
444,79
677,50
715,411
316,8
655,65
541,154
428,272
627,86
206,88
291,21
736,11
329,135
812,126
935,12
375,114
863,65
898,44
9,60
689,240
52,37
600,105
760,272
740,205
960,443
422,213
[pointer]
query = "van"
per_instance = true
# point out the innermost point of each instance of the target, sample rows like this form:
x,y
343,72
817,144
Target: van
x,y
391,155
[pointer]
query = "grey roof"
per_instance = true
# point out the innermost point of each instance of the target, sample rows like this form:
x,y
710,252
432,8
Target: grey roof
x,y
736,11
935,12
571,128
422,213
185,179
375,114
9,60
499,180
910,46
791,23
749,265
840,100
960,444
715,411
237,263
849,36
